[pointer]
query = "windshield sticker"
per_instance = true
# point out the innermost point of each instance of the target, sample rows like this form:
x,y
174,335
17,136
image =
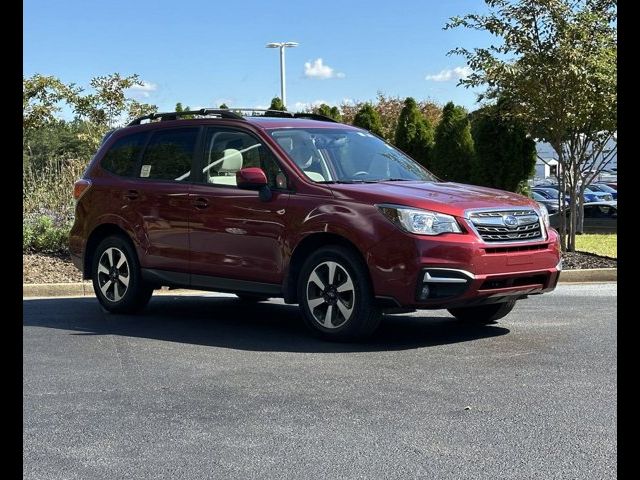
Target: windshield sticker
x,y
145,171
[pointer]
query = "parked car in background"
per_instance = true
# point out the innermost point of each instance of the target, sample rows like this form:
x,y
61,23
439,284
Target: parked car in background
x,y
599,217
597,195
551,205
549,193
602,187
589,195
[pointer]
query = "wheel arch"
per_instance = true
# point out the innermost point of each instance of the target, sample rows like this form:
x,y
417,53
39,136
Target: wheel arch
x,y
101,232
302,250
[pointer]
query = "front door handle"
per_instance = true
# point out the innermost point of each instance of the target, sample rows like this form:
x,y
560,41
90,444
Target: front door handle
x,y
131,195
201,203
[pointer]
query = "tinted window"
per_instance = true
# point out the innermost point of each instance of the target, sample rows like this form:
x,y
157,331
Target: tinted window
x,y
169,154
123,154
226,151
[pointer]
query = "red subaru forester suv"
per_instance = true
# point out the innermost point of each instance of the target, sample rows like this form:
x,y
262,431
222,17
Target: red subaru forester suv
x,y
297,206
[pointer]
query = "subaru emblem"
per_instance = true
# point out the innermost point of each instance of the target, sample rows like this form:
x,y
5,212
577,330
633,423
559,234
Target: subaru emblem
x,y
510,221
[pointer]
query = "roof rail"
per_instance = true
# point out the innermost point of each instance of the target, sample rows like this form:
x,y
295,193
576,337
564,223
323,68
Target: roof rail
x,y
221,112
315,116
280,113
229,113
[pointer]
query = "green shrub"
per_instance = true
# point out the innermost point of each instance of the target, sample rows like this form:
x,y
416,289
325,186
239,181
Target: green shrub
x,y
42,235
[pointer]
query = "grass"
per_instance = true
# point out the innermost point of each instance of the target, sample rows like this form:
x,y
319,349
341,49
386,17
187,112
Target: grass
x,y
600,244
48,205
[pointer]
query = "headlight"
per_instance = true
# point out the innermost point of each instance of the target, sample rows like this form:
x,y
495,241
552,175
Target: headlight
x,y
422,222
545,215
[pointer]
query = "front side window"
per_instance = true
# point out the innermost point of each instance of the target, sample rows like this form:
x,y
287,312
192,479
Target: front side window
x,y
347,156
169,154
226,151
122,157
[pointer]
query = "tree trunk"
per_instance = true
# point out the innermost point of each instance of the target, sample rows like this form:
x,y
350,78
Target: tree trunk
x,y
563,205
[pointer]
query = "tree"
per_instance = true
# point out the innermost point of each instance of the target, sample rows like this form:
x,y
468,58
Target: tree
x,y
181,109
556,63
327,111
41,99
453,150
388,109
368,119
414,134
95,113
505,156
276,104
224,106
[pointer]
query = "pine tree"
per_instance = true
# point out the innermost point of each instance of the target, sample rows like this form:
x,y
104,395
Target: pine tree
x,y
414,134
369,119
453,154
505,154
276,104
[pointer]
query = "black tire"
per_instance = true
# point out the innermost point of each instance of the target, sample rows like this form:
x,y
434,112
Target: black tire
x,y
130,297
350,290
483,314
251,298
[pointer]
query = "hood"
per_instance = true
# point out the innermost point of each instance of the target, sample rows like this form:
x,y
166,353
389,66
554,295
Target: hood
x,y
444,197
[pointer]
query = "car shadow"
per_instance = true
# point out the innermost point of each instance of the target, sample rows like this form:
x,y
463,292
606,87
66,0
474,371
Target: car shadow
x,y
229,323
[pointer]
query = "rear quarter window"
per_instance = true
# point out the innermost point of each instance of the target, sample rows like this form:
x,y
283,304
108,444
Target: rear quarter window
x,y
122,157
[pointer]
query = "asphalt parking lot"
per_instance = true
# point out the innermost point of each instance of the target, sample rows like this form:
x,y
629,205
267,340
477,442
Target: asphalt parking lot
x,y
205,387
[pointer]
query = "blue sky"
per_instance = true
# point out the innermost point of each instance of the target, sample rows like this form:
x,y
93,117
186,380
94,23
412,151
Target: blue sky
x,y
203,53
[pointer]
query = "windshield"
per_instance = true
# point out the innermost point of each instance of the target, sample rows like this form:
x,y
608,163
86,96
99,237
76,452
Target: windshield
x,y
347,156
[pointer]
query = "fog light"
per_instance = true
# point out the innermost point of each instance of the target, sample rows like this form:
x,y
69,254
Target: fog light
x,y
424,292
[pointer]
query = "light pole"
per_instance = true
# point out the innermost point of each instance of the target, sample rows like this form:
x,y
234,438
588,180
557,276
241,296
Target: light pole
x,y
282,46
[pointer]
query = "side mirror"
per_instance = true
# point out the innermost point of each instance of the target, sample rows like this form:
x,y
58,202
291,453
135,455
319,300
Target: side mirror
x,y
251,178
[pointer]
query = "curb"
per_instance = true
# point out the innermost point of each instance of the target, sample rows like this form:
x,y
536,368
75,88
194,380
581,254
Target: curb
x,y
85,289
589,275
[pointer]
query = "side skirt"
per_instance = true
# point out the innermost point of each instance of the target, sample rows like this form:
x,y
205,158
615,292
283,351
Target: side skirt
x,y
206,282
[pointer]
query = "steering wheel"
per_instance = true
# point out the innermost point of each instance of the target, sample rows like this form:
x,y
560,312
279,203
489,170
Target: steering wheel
x,y
361,172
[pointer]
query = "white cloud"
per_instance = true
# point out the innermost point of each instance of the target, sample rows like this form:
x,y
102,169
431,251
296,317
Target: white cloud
x,y
301,106
144,90
317,69
450,74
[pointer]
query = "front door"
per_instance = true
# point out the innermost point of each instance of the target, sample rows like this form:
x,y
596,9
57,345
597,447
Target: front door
x,y
234,234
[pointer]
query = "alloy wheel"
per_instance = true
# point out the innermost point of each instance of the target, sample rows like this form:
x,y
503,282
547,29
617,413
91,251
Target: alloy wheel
x,y
330,295
113,274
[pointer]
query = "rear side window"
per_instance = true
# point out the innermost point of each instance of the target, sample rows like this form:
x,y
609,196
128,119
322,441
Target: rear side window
x,y
169,154
122,156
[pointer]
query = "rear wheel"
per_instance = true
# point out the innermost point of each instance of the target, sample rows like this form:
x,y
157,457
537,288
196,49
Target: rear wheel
x,y
335,295
483,314
116,276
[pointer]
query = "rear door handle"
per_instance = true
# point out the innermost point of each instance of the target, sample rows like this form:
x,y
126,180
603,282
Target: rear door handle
x,y
201,203
131,195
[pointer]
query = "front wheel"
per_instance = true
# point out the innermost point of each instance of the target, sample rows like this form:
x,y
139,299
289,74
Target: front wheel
x,y
116,276
335,295
483,314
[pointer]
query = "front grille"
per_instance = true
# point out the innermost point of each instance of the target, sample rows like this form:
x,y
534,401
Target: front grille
x,y
507,225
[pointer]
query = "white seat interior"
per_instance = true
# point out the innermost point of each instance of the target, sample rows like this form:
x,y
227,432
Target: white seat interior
x,y
231,162
315,176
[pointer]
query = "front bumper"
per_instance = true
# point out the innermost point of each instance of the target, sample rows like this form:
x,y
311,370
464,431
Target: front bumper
x,y
461,270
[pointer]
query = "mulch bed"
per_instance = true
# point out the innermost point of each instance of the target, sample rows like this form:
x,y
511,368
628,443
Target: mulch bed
x,y
57,268
49,268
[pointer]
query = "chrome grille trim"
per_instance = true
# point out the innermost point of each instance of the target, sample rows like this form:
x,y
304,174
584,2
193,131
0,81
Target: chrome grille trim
x,y
493,226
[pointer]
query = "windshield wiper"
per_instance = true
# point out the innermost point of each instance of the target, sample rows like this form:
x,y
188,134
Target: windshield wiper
x,y
348,181
395,180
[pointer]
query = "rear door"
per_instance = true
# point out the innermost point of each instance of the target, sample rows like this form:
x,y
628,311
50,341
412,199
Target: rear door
x,y
234,234
160,199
